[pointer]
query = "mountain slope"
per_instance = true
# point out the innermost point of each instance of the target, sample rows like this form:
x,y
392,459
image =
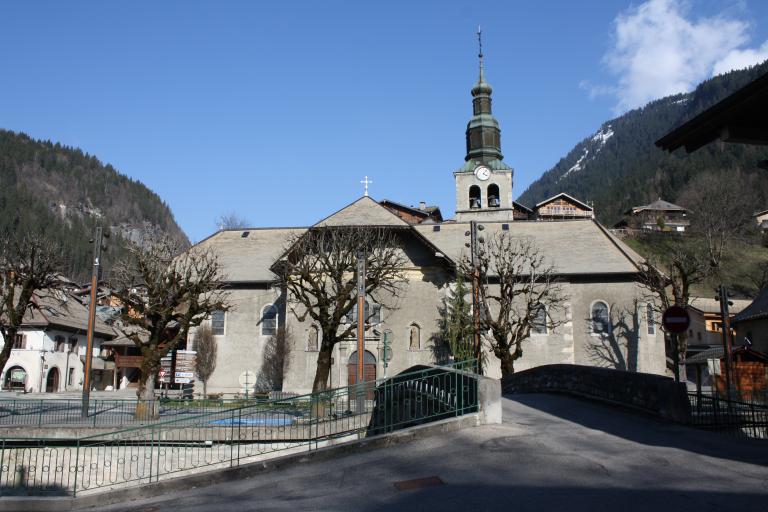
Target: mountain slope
x,y
64,193
619,166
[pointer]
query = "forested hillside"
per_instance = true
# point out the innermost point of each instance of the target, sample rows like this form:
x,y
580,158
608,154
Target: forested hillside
x,y
64,193
619,166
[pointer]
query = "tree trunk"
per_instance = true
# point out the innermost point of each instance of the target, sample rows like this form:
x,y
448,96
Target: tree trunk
x,y
507,364
9,340
205,390
323,368
146,406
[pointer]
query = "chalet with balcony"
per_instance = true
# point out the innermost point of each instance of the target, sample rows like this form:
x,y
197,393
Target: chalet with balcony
x,y
659,215
562,207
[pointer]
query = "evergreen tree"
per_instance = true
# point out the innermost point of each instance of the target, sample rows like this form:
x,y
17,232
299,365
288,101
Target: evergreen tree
x,y
456,329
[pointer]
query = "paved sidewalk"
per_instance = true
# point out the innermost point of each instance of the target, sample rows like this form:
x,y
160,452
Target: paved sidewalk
x,y
551,453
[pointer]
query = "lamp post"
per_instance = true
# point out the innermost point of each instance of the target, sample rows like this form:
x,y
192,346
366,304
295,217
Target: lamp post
x,y
97,241
474,248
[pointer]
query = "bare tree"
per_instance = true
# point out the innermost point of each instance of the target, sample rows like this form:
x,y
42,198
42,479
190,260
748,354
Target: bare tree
x,y
669,272
232,220
517,286
721,205
165,294
29,264
206,350
318,273
275,361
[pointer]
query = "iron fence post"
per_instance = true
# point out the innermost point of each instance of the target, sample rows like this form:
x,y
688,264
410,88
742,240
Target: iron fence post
x,y
2,460
231,437
157,472
77,466
239,423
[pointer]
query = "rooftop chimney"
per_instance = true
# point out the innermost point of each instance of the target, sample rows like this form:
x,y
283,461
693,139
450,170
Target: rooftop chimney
x,y
422,205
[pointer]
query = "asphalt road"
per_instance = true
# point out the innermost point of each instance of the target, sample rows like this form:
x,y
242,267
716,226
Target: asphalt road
x,y
551,453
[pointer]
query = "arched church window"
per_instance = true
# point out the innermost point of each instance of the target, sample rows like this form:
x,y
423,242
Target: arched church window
x,y
539,323
314,337
475,197
601,320
371,314
493,196
269,320
414,337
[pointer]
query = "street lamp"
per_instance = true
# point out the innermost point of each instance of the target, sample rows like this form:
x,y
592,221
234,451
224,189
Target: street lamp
x,y
474,248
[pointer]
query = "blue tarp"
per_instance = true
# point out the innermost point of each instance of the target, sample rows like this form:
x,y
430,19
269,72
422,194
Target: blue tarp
x,y
269,422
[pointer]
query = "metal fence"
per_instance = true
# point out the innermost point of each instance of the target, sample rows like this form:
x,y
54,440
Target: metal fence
x,y
233,436
735,417
62,412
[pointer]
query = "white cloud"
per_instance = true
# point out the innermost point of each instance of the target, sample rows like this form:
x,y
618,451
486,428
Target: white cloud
x,y
739,59
659,49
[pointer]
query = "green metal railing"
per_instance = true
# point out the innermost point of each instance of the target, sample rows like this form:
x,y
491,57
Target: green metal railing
x,y
234,436
739,418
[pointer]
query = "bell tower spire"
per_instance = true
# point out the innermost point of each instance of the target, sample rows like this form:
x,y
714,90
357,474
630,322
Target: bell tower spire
x,y
483,132
484,182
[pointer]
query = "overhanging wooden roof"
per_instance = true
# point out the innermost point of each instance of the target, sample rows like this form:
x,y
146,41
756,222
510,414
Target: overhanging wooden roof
x,y
739,117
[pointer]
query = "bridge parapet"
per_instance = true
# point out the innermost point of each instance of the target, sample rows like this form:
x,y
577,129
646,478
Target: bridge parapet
x,y
654,394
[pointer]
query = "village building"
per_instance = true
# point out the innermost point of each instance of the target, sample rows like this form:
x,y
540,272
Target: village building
x,y
607,320
706,328
752,323
414,214
659,215
49,351
762,220
562,207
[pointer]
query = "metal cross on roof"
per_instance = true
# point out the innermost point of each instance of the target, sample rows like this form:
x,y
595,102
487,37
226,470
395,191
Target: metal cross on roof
x,y
366,182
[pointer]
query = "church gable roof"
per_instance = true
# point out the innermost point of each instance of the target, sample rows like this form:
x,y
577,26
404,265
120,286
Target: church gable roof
x,y
248,258
577,247
363,212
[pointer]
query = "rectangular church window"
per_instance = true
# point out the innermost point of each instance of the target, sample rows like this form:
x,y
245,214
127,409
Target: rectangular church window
x,y
217,323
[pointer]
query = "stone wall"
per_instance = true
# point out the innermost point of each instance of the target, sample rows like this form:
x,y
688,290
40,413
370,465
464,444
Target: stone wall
x,y
654,394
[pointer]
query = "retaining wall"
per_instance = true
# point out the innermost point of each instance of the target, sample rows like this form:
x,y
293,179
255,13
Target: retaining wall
x,y
654,394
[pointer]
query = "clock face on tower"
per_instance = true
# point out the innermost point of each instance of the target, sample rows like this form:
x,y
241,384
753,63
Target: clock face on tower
x,y
482,172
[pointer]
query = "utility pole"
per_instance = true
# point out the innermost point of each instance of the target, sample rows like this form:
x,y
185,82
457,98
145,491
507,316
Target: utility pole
x,y
722,296
360,331
473,244
97,242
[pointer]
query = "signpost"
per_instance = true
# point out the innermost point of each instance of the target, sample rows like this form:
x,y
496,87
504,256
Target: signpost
x,y
675,321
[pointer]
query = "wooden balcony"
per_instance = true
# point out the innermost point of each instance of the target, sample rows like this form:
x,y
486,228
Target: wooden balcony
x,y
128,361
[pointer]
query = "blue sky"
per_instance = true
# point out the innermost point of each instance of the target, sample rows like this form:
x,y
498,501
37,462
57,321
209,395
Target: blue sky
x,y
276,110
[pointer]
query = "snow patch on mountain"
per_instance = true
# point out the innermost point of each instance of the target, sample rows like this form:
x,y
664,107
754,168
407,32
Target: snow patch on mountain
x,y
595,143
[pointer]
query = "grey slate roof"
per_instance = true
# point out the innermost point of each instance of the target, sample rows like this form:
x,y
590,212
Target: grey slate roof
x,y
68,315
706,305
248,259
363,212
660,205
572,247
756,310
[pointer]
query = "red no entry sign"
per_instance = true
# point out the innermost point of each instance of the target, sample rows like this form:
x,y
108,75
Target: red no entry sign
x,y
676,319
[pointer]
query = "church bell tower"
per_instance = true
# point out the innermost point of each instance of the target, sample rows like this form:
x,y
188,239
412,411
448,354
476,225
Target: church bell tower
x,y
484,182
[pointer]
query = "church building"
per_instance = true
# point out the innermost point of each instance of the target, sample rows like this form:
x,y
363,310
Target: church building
x,y
607,320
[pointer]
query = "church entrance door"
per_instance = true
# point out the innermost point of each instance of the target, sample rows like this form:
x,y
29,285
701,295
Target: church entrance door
x,y
52,382
369,372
